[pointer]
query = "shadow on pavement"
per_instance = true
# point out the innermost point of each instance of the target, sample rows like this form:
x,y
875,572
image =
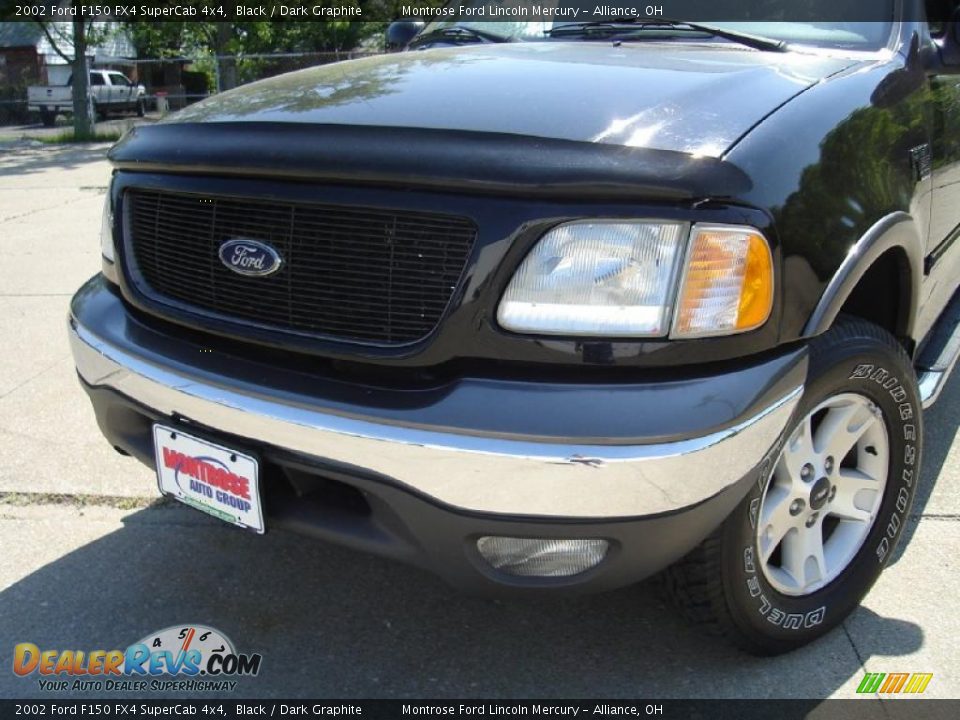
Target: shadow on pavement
x,y
940,424
24,159
333,623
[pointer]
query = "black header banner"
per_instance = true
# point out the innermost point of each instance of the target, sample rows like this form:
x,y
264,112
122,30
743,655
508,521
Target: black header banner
x,y
478,10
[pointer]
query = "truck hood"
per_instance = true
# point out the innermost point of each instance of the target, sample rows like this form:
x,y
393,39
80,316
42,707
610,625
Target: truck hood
x,y
691,98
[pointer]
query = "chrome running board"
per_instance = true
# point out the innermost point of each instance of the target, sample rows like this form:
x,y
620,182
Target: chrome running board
x,y
939,357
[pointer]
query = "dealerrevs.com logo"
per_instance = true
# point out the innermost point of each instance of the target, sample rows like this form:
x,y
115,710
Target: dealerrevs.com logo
x,y
178,658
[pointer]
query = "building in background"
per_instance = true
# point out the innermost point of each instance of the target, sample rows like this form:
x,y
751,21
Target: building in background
x,y
28,58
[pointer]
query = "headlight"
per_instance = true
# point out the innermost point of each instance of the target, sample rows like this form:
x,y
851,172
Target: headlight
x,y
727,284
596,278
106,230
620,278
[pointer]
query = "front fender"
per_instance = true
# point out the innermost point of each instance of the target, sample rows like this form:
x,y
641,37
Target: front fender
x,y
896,230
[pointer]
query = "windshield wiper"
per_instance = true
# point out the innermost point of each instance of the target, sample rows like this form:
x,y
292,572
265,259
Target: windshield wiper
x,y
456,34
619,25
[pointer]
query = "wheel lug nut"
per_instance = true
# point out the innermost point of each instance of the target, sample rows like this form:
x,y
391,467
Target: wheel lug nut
x,y
811,521
796,507
833,493
806,472
828,464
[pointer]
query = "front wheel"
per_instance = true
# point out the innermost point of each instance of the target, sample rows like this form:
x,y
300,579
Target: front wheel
x,y
803,548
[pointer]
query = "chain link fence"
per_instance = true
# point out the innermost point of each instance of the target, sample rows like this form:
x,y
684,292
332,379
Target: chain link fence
x,y
174,83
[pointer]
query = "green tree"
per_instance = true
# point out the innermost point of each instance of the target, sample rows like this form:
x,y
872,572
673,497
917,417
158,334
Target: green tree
x,y
229,42
72,47
157,39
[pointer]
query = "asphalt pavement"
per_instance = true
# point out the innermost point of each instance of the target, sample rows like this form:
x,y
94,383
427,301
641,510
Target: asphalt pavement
x,y
90,560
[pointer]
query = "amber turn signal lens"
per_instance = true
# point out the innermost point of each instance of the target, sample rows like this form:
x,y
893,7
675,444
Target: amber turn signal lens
x,y
727,284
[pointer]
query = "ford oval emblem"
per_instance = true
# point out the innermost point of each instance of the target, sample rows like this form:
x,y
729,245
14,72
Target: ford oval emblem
x,y
250,257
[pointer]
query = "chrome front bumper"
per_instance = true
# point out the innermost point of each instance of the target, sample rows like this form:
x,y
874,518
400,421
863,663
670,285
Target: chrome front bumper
x,y
481,473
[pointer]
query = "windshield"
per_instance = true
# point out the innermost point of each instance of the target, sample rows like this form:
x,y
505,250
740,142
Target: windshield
x,y
764,20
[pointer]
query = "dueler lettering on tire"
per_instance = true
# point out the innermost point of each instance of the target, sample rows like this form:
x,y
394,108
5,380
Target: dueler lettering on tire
x,y
830,502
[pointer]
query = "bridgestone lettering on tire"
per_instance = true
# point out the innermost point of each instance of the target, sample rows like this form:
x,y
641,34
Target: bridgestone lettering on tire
x,y
830,502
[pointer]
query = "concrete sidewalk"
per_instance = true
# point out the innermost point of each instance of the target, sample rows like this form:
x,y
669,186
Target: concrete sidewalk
x,y
331,622
51,198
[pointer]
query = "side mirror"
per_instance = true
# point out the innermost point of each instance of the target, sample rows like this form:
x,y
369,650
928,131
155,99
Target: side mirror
x,y
401,32
949,46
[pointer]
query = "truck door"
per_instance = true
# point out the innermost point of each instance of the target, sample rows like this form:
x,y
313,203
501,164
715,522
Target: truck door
x,y
943,242
114,97
120,91
109,91
98,92
945,147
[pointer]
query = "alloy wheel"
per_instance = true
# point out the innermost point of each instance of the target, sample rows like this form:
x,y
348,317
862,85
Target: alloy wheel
x,y
824,494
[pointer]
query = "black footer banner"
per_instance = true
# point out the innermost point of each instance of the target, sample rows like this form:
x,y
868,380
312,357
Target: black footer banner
x,y
866,708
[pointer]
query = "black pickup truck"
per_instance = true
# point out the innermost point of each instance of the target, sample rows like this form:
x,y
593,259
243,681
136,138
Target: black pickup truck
x,y
555,308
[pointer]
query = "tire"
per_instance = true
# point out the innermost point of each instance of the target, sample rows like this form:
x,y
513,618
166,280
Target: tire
x,y
742,582
141,110
48,118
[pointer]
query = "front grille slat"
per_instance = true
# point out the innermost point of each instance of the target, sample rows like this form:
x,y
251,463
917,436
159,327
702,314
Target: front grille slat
x,y
352,273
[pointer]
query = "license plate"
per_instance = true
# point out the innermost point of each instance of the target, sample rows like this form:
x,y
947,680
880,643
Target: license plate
x,y
209,477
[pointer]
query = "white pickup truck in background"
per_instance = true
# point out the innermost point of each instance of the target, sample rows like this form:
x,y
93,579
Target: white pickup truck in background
x,y
111,91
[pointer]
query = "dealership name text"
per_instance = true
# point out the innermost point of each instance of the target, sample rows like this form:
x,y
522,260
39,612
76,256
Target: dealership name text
x,y
530,11
534,709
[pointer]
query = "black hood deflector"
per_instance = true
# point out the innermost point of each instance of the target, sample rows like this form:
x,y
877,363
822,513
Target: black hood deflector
x,y
446,160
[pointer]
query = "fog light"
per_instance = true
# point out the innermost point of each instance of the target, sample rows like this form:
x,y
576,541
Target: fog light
x,y
542,557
